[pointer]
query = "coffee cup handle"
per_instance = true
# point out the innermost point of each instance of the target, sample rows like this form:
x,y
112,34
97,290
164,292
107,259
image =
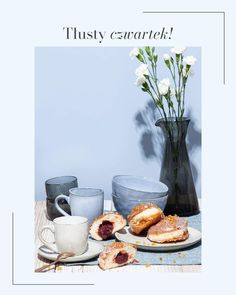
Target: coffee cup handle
x,y
51,245
62,197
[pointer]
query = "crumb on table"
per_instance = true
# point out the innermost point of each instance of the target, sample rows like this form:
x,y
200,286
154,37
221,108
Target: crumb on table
x,y
147,265
58,268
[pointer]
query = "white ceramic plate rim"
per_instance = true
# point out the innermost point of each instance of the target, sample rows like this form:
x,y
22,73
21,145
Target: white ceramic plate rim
x,y
144,243
94,249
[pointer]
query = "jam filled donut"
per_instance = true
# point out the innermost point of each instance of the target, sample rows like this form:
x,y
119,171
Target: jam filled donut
x,y
104,226
116,254
143,216
169,229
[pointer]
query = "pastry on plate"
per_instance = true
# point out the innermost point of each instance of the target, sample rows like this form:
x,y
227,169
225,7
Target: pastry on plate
x,y
169,229
104,226
143,216
116,254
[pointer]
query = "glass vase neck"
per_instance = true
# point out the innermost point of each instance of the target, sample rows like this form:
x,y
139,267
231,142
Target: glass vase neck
x,y
174,128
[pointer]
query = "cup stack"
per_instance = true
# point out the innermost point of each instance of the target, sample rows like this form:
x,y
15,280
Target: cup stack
x,y
58,186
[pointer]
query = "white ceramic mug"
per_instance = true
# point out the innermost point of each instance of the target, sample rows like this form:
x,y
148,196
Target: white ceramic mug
x,y
87,202
70,234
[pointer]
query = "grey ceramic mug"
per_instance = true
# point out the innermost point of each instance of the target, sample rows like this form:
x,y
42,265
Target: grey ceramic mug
x,y
57,186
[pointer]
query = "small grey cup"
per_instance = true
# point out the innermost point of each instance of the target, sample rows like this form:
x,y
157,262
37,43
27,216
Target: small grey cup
x,y
58,186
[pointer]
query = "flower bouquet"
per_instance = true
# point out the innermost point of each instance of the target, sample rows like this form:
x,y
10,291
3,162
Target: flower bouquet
x,y
168,95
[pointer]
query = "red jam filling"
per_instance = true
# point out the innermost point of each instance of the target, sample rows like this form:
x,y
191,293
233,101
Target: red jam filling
x,y
121,257
105,229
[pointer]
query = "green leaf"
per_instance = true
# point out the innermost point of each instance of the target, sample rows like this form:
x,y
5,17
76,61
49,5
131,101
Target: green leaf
x,y
153,49
140,51
177,58
144,90
167,62
145,85
155,57
159,103
150,58
187,68
140,58
147,49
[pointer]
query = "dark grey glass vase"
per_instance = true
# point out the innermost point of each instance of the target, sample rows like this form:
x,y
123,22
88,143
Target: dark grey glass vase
x,y
175,170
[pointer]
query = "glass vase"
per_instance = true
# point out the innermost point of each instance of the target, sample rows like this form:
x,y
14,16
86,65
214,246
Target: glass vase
x,y
175,169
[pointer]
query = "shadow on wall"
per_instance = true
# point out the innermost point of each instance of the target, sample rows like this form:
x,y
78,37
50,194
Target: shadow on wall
x,y
152,139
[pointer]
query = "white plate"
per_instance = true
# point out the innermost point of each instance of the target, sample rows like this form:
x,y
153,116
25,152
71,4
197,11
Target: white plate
x,y
94,249
142,242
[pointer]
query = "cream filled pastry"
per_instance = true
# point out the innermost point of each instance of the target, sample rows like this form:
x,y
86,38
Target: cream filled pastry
x,y
169,229
116,254
143,216
104,226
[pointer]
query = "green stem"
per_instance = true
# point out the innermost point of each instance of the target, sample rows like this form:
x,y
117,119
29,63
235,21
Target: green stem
x,y
153,98
183,102
153,74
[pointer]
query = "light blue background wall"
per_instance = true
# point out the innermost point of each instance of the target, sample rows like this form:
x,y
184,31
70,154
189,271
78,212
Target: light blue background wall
x,y
94,123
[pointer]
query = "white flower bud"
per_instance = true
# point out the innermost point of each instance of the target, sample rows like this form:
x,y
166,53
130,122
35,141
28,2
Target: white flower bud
x,y
140,80
190,60
134,52
142,70
164,86
178,50
166,56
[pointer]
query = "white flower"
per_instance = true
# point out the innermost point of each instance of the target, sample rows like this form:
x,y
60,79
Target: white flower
x,y
165,82
178,50
134,52
140,80
163,89
164,86
142,70
166,56
190,60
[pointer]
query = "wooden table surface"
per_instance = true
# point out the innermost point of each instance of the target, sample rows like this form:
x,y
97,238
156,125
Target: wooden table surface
x,y
41,220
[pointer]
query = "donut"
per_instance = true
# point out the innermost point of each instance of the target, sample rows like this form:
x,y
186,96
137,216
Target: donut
x,y
170,229
143,216
116,254
104,226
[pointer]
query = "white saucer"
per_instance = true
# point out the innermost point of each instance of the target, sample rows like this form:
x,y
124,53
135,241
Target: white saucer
x,y
142,242
94,249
